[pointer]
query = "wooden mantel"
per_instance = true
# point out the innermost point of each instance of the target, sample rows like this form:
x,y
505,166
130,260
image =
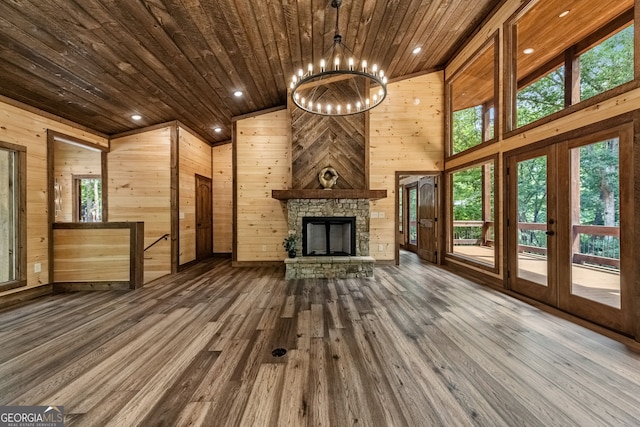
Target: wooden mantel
x,y
329,194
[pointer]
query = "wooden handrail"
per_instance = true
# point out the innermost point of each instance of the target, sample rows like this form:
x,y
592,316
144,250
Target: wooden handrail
x,y
165,236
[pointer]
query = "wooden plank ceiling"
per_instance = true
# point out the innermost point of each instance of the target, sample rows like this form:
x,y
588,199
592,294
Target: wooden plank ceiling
x,y
97,62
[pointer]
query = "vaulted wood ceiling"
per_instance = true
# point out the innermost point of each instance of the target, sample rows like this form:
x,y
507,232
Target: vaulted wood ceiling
x,y
97,62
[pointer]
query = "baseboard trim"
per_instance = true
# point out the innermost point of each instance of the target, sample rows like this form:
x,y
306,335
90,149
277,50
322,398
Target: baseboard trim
x,y
25,295
257,263
90,286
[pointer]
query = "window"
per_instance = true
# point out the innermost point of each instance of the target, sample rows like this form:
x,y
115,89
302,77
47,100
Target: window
x,y
12,227
472,207
87,197
472,94
563,56
541,98
607,65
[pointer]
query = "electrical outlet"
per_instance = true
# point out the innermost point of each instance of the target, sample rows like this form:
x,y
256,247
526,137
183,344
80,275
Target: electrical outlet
x,y
181,215
380,248
374,214
37,267
264,248
380,214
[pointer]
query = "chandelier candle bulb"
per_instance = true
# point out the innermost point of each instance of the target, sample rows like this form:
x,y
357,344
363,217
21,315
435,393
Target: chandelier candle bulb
x,y
351,64
374,69
329,109
300,73
338,109
364,66
366,103
337,62
322,65
310,68
348,108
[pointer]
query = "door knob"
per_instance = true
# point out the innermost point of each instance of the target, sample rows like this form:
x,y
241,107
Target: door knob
x,y
550,233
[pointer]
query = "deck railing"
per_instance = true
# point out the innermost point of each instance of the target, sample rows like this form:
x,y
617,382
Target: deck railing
x,y
592,244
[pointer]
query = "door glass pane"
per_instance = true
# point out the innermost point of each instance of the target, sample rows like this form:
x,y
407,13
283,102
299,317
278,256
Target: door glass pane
x,y
532,220
413,216
595,222
8,220
400,213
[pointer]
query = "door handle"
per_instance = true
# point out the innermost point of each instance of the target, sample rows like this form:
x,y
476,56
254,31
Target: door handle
x,y
550,233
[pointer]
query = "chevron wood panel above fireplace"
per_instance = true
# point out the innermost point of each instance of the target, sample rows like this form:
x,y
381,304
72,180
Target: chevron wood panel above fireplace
x,y
321,141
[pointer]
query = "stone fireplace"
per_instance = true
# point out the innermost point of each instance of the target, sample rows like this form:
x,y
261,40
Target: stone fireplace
x,y
336,213
337,238
358,209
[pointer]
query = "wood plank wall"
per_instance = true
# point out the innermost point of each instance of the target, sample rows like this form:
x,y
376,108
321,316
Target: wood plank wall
x,y
194,158
222,171
320,141
27,127
406,134
139,168
83,256
72,160
263,162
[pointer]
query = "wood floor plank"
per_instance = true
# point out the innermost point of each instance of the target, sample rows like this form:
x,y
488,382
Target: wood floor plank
x,y
144,401
413,346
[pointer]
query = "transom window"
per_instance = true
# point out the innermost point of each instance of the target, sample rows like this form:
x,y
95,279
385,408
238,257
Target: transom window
x,y
563,56
472,95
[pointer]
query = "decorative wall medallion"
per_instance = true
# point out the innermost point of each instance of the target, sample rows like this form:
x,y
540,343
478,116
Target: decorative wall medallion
x,y
328,177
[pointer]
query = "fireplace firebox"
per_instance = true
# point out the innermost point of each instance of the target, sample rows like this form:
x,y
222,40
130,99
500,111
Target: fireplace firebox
x,y
328,236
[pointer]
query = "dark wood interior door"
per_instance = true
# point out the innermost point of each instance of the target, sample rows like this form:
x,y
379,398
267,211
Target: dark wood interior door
x,y
204,218
427,218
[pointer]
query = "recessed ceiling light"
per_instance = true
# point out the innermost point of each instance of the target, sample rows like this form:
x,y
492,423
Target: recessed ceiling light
x,y
528,51
217,129
417,50
237,93
136,117
563,14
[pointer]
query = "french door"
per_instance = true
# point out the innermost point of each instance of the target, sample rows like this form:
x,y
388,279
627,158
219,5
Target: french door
x,y
567,203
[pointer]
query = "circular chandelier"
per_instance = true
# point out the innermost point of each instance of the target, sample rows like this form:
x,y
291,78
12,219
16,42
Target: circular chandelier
x,y
339,87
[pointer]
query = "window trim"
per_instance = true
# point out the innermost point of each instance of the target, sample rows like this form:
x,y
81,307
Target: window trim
x,y
21,226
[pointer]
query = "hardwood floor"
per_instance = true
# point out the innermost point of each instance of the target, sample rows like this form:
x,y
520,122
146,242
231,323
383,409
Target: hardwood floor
x,y
415,346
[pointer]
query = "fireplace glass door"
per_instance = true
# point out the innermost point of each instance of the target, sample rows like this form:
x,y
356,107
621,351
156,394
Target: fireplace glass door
x,y
328,236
